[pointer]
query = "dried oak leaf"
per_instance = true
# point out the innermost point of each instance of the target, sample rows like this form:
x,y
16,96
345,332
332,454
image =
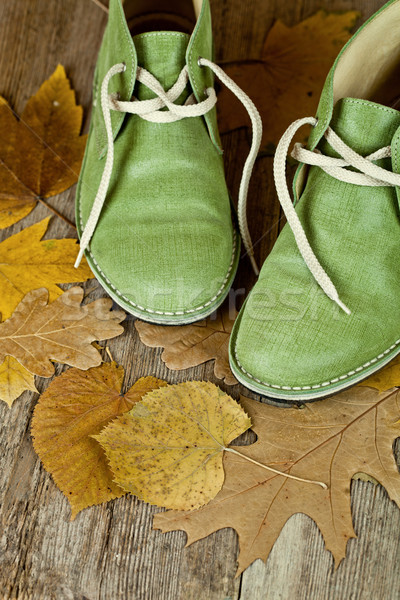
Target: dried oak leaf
x,y
168,449
14,379
40,153
330,442
286,79
187,346
26,263
62,331
75,406
387,378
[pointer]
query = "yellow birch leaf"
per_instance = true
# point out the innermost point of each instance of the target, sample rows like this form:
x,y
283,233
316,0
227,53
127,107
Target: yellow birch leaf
x,y
14,380
385,379
75,406
41,153
168,449
26,263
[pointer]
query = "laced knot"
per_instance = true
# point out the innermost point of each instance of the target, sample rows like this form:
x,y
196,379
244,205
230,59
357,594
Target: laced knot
x,y
368,174
151,110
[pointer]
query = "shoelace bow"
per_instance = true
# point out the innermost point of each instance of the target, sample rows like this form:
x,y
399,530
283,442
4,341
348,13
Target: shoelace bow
x,y
368,174
151,111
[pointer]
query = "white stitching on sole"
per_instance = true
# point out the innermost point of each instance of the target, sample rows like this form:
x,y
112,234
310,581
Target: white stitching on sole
x,y
325,383
159,312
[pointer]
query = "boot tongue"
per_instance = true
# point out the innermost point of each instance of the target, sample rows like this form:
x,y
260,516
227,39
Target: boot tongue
x,y
362,125
163,53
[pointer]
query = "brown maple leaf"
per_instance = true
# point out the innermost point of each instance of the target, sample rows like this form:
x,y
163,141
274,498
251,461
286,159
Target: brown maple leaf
x,y
330,442
63,331
41,153
286,79
187,346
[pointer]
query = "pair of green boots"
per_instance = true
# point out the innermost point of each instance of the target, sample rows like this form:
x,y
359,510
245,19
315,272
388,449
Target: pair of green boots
x,y
155,220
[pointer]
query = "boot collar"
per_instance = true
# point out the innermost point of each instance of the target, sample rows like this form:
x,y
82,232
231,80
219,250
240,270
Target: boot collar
x,y
346,78
118,47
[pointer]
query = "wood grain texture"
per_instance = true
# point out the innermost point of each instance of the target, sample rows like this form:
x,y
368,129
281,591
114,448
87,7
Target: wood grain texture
x,y
110,552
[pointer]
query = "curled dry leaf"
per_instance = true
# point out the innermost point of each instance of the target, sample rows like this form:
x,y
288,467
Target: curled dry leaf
x,y
40,153
14,379
168,449
286,79
385,379
332,440
62,331
75,406
26,263
187,346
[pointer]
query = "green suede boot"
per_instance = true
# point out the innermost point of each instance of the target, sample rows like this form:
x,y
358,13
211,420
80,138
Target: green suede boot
x,y
325,312
153,210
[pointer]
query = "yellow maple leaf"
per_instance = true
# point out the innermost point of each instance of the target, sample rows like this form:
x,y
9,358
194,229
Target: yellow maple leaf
x,y
285,81
385,379
75,406
168,449
26,263
40,153
14,379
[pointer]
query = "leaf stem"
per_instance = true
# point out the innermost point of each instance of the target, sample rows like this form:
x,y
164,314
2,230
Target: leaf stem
x,y
100,5
55,211
320,483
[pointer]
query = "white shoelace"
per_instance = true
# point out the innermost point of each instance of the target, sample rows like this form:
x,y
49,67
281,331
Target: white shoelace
x,y
369,175
151,111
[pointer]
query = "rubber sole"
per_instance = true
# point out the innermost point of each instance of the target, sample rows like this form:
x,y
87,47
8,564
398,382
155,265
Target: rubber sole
x,y
290,399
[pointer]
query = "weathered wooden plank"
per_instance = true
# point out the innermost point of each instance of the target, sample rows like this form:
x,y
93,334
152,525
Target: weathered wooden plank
x,y
111,552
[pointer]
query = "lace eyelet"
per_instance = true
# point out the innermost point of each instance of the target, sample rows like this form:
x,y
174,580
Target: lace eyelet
x,y
199,63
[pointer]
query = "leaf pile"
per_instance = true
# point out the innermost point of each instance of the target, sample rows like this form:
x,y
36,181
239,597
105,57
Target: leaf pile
x,y
171,449
76,406
27,262
40,156
349,433
40,153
